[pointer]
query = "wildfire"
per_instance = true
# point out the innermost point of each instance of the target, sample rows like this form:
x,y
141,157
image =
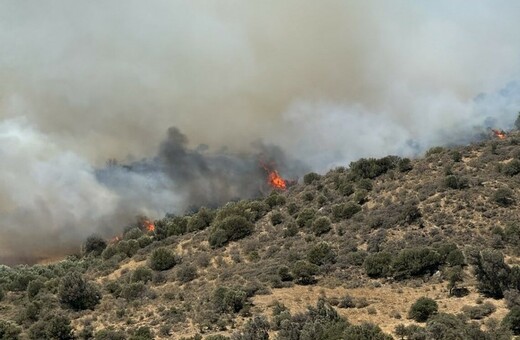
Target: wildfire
x,y
499,133
274,179
148,226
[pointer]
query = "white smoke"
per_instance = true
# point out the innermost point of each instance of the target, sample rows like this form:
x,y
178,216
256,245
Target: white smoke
x,y
327,81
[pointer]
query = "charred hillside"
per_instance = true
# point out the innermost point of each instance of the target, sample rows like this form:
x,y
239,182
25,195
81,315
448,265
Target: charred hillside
x,y
384,248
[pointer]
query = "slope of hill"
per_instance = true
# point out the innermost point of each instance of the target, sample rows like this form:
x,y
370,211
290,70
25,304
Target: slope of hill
x,y
343,255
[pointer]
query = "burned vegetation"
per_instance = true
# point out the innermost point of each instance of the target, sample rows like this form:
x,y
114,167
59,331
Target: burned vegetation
x,y
384,248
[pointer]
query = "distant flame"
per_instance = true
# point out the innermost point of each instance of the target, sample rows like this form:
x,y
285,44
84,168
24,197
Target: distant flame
x,y
148,226
499,133
274,179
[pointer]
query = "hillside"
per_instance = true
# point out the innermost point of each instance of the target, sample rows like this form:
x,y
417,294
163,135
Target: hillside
x,y
343,255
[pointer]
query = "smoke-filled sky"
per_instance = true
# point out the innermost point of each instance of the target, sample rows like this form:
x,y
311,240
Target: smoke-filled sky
x,y
327,82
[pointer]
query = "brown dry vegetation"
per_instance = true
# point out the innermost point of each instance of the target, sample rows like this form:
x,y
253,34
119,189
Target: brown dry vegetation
x,y
441,200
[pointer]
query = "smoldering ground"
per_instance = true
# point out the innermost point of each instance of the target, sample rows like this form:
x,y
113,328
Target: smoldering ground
x,y
328,82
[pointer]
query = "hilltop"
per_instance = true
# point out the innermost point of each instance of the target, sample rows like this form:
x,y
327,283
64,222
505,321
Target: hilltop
x,y
343,255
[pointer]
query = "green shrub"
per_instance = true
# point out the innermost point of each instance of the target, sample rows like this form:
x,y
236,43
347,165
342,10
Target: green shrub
x,y
201,220
415,261
162,259
186,273
321,225
378,264
34,287
292,208
2,293
456,156
77,293
290,230
365,330
133,291
144,241
274,200
365,184
53,326
345,210
372,168
306,217
512,320
321,254
504,197
512,168
285,274
128,248
346,188
311,177
404,165
142,333
257,328
512,234
110,334
95,245
142,274
491,271
229,299
232,228
304,272
132,234
422,309
109,252
276,218
455,182
9,331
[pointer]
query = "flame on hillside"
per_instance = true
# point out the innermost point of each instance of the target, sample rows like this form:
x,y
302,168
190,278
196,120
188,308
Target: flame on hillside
x,y
499,133
274,179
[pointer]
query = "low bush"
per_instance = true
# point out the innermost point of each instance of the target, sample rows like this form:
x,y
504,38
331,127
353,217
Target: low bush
x,y
229,300
9,331
512,320
311,177
479,311
321,225
321,254
422,309
415,261
142,274
133,291
345,210
95,245
78,294
304,272
232,228
186,273
378,264
53,326
161,259
504,197
276,218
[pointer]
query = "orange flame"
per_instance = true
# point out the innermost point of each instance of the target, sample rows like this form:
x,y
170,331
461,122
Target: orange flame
x,y
499,133
273,178
276,181
149,226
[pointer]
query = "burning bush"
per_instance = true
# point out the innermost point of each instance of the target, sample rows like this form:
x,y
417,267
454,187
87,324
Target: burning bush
x,y
162,259
77,293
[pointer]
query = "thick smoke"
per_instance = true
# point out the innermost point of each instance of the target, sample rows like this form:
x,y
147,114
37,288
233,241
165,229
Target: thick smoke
x,y
328,82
